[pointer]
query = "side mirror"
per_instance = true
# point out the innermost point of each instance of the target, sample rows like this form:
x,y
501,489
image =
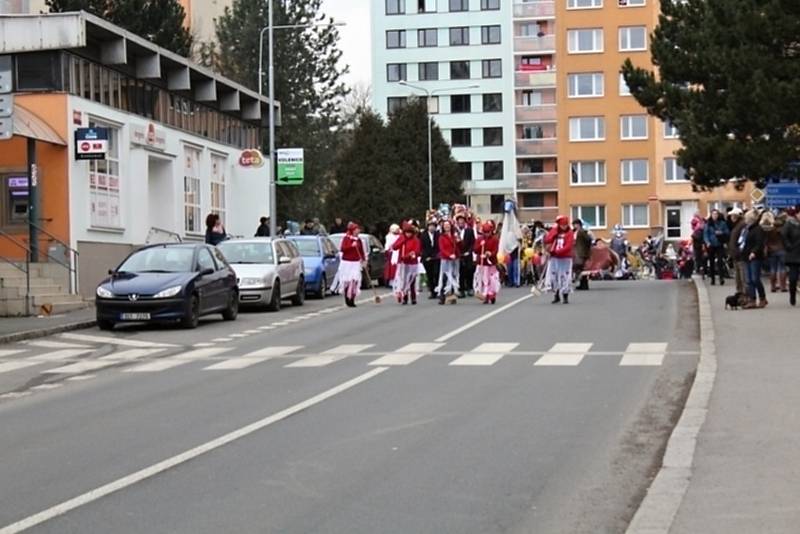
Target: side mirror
x,y
283,260
111,272
206,272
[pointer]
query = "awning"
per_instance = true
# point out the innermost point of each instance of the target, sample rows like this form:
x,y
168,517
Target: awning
x,y
28,124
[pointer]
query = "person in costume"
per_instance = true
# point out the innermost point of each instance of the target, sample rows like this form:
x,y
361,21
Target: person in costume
x,y
560,241
582,251
487,279
391,256
348,278
410,250
448,266
510,239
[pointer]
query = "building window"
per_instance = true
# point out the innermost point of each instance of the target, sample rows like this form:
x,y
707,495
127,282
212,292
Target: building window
x,y
460,137
460,103
532,132
193,223
490,5
493,137
670,131
492,170
532,166
635,215
587,129
459,70
635,171
585,41
428,71
624,90
632,38
674,172
428,37
104,183
531,200
465,171
396,39
532,98
492,102
530,29
593,216
497,203
218,181
459,36
588,172
459,5
631,3
492,68
395,7
584,4
490,34
633,127
426,6
394,103
585,85
396,72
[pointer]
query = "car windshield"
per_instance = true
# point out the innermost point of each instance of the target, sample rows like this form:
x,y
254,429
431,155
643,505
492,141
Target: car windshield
x,y
337,240
247,253
309,248
160,260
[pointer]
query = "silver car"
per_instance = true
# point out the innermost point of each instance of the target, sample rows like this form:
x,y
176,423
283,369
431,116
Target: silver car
x,y
268,271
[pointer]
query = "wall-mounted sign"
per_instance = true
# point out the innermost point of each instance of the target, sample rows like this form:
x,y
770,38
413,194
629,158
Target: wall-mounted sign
x,y
290,166
16,182
77,118
150,136
91,143
251,158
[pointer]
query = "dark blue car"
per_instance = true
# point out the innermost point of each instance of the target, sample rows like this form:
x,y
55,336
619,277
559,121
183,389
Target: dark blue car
x,y
321,260
168,282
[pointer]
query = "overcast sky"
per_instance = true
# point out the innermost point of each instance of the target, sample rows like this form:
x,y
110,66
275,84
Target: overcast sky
x,y
355,41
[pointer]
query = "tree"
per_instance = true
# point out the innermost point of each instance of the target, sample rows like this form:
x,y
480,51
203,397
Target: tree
x,y
158,21
729,80
307,84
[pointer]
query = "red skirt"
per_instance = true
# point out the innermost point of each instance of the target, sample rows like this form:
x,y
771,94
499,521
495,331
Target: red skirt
x,y
389,270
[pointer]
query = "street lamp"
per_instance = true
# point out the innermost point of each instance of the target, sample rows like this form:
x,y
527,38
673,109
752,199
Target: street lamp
x,y
428,95
273,200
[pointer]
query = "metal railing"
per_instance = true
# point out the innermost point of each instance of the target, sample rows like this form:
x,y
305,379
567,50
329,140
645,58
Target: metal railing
x,y
26,269
72,263
155,233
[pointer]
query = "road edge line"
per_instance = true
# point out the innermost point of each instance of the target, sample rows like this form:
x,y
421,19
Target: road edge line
x,y
181,458
658,509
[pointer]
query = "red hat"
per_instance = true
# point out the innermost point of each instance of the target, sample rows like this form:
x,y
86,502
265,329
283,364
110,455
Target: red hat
x,y
791,212
408,226
487,227
352,227
562,220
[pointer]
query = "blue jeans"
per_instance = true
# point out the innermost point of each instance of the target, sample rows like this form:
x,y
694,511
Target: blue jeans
x,y
777,262
754,284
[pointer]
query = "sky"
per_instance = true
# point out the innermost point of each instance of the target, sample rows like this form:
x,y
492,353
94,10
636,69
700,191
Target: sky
x,y
355,43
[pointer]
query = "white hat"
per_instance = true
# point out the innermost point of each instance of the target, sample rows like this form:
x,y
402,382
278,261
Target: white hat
x,y
736,211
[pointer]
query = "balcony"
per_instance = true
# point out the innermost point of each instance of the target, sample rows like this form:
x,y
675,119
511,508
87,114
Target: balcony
x,y
535,79
535,10
546,215
546,43
537,147
537,181
541,113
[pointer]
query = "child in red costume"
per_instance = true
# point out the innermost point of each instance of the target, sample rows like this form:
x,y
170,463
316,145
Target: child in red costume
x,y
348,278
449,251
487,279
405,279
560,241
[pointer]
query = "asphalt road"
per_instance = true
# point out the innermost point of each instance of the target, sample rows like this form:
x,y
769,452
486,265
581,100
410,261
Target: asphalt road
x,y
520,417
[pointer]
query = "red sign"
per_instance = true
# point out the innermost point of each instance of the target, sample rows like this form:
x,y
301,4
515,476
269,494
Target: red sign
x,y
77,118
251,158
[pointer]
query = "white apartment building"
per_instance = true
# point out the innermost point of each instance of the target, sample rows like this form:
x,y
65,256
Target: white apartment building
x,y
461,52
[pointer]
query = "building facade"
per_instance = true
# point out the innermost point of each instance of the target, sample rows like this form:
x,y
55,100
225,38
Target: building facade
x,y
201,16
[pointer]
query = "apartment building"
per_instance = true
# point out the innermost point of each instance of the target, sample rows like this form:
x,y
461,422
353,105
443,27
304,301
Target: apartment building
x,y
201,16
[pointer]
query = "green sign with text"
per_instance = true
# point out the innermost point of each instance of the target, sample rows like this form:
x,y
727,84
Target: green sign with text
x,y
290,166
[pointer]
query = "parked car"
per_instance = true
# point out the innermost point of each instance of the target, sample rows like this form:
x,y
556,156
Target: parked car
x,y
376,259
269,270
168,282
321,260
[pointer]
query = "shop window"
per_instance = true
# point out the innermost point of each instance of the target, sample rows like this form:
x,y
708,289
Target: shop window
x,y
193,223
39,71
104,183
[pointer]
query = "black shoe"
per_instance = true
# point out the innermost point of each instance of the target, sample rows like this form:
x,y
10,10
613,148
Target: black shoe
x,y
405,300
556,299
471,293
413,302
462,294
441,300
351,303
432,296
713,282
566,298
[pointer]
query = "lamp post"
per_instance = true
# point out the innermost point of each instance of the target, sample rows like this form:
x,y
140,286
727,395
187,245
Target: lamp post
x,y
273,200
428,95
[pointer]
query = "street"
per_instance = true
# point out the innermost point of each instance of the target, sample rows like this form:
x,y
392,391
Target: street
x,y
519,417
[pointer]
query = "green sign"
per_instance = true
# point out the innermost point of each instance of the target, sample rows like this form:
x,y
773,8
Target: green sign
x,y
290,166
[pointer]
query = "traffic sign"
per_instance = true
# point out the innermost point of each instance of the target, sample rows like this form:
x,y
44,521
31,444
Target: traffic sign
x,y
290,166
757,195
783,195
91,143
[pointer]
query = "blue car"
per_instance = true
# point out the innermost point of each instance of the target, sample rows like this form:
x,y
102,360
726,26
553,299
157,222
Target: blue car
x,y
321,259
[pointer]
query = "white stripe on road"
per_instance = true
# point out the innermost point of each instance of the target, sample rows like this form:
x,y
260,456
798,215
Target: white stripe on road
x,y
13,366
644,355
564,354
408,354
251,332
122,342
484,355
131,354
330,356
239,336
10,352
267,327
222,340
148,472
105,361
253,358
178,359
59,355
45,344
479,320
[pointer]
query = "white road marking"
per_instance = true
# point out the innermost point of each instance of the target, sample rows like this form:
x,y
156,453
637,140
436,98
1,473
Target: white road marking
x,y
494,348
13,366
81,378
222,340
647,348
479,320
15,394
266,327
238,336
251,332
564,355
408,354
178,359
253,358
105,361
45,387
330,356
131,354
283,323
59,355
644,355
484,355
10,352
122,342
55,345
202,345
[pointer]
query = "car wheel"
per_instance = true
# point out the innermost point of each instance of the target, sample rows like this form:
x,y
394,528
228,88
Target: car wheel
x,y
105,325
192,318
323,288
300,293
232,311
275,302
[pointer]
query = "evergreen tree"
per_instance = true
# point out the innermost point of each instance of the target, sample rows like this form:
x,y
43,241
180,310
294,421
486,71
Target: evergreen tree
x,y
307,84
158,21
729,80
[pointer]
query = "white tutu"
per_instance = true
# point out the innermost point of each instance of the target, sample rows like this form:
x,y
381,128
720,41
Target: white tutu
x,y
405,278
487,280
448,277
559,275
348,276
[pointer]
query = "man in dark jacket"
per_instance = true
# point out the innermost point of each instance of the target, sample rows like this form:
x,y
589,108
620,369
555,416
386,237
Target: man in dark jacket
x,y
338,226
791,241
752,245
739,265
430,257
466,264
263,228
582,251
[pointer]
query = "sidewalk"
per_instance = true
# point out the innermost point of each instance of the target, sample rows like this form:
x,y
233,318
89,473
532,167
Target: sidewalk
x,y
746,475
14,329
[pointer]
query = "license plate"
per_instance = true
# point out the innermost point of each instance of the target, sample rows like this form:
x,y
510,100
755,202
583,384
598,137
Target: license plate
x,y
135,317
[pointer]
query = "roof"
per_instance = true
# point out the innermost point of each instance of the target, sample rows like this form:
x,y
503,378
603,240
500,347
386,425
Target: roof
x,y
28,124
94,37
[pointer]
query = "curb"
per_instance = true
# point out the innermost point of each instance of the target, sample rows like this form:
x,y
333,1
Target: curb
x,y
657,511
44,332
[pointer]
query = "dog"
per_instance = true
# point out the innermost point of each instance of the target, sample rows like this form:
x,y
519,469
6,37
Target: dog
x,y
735,301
